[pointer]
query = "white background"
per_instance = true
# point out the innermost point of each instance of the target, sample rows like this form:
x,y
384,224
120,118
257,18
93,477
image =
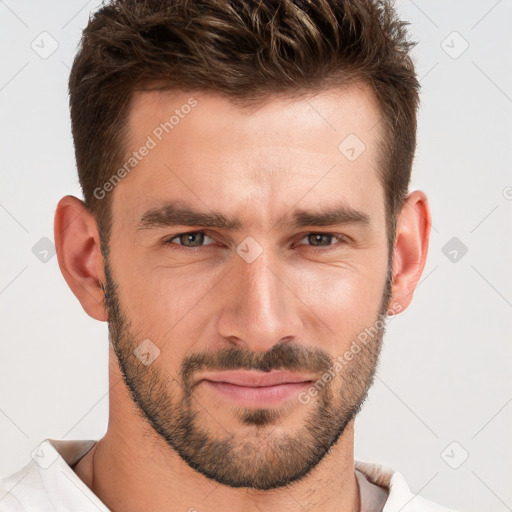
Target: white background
x,y
446,364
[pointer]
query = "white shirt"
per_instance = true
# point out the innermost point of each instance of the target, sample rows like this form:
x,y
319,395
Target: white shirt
x,y
49,484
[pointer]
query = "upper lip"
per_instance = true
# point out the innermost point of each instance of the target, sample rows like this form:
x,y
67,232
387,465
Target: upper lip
x,y
251,378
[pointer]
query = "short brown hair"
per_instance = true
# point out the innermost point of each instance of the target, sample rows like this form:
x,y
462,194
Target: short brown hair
x,y
245,50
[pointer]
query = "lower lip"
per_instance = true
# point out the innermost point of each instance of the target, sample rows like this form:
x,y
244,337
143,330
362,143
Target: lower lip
x,y
257,396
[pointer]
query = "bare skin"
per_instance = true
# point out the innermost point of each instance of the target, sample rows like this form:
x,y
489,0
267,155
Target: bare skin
x,y
258,166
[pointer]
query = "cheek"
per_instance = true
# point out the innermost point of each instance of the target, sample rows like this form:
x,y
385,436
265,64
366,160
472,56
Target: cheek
x,y
346,300
168,305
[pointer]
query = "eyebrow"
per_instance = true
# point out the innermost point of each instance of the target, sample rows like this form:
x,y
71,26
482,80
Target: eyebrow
x,y
179,214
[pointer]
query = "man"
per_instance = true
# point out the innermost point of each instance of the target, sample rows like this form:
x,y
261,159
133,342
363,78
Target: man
x,y
246,229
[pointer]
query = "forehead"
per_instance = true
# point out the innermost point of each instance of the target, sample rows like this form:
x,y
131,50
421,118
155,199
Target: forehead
x,y
203,148
297,120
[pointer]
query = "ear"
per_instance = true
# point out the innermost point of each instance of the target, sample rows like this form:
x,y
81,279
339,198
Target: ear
x,y
77,244
411,247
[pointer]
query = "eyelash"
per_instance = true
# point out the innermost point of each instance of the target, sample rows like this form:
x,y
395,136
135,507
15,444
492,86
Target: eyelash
x,y
342,239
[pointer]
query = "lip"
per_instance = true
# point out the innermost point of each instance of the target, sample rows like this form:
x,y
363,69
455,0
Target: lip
x,y
256,389
251,378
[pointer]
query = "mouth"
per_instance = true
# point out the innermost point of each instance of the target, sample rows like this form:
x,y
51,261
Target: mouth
x,y
256,389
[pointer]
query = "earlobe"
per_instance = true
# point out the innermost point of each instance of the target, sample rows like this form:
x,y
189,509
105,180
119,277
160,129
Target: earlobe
x,y
411,247
78,252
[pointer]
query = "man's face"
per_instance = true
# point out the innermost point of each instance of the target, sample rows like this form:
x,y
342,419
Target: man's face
x,y
277,293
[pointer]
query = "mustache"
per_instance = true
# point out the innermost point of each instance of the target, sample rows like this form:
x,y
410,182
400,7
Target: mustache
x,y
283,356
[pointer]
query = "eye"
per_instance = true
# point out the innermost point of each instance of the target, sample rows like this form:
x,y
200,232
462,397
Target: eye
x,y
323,239
192,239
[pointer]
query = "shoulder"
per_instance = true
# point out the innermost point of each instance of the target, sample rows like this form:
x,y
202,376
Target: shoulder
x,y
24,491
400,497
48,483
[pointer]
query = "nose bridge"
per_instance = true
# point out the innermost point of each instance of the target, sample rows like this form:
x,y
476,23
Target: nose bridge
x,y
260,310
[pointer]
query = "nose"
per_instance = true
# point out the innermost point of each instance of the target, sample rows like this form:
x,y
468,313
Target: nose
x,y
258,307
